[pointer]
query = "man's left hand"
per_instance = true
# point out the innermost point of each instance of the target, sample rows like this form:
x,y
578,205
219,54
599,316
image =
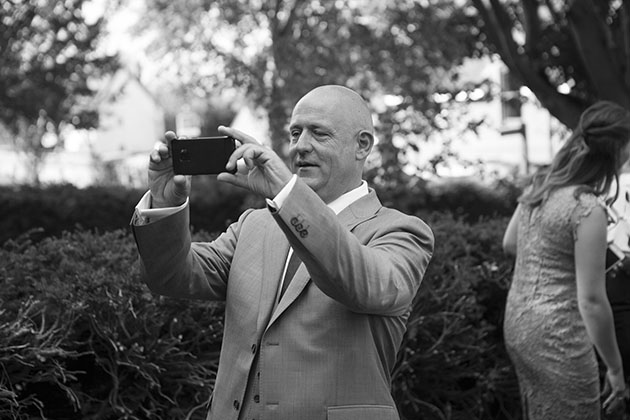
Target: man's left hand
x,y
263,172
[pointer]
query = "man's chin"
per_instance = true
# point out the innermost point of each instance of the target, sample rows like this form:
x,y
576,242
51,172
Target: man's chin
x,y
306,172
308,178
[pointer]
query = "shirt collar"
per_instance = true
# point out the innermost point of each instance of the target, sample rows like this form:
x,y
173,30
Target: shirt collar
x,y
340,203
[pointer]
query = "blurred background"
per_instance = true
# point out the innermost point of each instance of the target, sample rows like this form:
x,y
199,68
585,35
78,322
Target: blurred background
x,y
468,97
458,88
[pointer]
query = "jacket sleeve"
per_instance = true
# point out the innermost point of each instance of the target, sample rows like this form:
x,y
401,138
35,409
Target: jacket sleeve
x,y
172,265
377,268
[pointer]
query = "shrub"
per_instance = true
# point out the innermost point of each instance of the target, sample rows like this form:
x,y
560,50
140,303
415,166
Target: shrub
x,y
59,208
452,364
214,205
83,338
55,209
466,198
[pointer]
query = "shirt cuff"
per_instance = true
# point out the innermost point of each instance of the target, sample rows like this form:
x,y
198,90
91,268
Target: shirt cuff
x,y
278,200
144,214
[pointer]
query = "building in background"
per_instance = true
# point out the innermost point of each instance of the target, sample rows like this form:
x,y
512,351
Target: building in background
x,y
516,136
130,122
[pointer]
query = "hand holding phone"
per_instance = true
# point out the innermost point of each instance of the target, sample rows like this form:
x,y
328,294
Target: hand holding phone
x,y
167,189
201,155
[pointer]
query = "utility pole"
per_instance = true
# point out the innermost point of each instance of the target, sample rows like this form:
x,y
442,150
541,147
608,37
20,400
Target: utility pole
x,y
521,129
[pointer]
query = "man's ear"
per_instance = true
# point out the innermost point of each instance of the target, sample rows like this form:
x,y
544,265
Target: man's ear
x,y
365,141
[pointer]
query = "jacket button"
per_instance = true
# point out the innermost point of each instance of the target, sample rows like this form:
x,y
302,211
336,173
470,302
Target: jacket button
x,y
236,405
256,398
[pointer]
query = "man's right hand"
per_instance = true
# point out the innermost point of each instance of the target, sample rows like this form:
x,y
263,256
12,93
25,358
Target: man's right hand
x,y
167,189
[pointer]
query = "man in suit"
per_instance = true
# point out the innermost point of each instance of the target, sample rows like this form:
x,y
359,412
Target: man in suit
x,y
321,343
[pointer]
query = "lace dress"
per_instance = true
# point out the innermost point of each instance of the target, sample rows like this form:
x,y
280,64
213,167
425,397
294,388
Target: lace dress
x,y
544,333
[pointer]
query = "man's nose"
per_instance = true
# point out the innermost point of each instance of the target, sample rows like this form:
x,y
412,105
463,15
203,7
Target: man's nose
x,y
303,143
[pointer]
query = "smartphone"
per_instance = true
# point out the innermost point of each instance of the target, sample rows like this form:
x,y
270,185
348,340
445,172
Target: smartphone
x,y
201,155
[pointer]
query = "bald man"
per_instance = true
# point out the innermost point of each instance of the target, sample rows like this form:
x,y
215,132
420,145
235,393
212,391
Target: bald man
x,y
314,342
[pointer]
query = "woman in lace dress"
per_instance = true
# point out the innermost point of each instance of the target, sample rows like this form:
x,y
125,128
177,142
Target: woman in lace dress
x,y
557,307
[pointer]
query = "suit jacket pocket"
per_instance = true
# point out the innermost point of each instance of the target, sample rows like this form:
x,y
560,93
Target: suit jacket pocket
x,y
362,412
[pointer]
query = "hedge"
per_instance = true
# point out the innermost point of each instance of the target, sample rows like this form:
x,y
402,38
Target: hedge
x,y
81,337
213,205
55,209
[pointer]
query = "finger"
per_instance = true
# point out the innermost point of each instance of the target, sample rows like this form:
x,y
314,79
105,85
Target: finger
x,y
235,179
608,402
181,180
249,157
240,153
238,135
607,387
161,148
159,155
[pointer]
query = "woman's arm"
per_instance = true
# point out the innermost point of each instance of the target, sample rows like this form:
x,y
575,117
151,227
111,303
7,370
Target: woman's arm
x,y
590,255
510,236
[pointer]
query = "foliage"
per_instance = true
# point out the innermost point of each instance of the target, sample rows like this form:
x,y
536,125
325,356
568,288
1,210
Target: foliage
x,y
465,198
57,208
47,55
82,338
569,53
453,364
51,210
278,50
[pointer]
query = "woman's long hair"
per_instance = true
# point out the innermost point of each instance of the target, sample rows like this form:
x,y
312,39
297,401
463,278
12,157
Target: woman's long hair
x,y
591,157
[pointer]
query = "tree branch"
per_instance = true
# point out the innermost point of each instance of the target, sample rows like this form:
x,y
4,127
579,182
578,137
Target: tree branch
x,y
498,27
592,46
531,25
624,13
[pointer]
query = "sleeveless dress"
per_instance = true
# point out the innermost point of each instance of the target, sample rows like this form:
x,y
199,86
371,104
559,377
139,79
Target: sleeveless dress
x,y
545,335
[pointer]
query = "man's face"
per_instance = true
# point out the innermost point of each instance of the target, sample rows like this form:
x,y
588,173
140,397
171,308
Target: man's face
x,y
323,148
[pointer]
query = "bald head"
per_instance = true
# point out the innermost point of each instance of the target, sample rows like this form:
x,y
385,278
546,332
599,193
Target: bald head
x,y
331,135
344,103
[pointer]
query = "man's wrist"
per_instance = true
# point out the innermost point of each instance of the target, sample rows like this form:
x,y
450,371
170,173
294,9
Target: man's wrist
x,y
145,212
160,204
279,199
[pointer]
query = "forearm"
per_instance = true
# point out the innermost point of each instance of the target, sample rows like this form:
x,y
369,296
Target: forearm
x,y
374,267
379,278
174,266
598,319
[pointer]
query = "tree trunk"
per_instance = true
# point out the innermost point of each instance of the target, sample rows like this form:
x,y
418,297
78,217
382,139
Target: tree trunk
x,y
588,55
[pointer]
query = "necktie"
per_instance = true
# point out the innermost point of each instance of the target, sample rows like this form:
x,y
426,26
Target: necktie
x,y
294,263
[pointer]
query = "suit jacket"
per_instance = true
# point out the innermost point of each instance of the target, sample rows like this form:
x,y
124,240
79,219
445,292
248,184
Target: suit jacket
x,y
327,349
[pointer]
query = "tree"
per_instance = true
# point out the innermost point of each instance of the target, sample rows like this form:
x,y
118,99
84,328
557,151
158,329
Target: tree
x,y
569,53
47,55
277,50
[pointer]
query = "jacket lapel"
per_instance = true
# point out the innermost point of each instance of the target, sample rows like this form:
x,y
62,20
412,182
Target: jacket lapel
x,y
361,210
275,250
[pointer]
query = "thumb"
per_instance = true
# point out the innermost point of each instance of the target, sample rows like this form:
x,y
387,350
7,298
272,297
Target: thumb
x,y
607,387
181,187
